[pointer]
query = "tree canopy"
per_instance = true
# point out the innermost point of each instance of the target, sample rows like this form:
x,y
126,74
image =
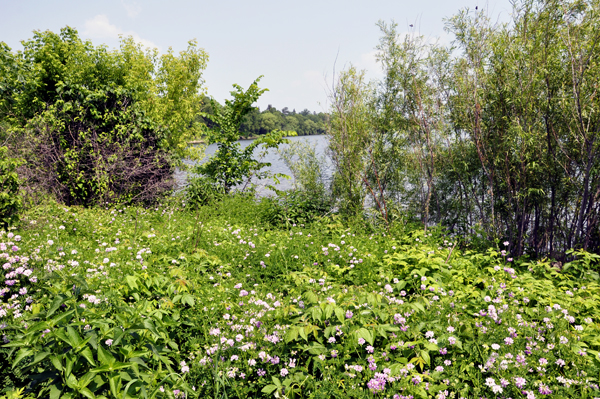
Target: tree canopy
x,y
82,110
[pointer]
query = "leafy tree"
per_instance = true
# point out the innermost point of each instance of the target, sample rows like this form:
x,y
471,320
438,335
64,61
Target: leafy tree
x,y
97,125
231,165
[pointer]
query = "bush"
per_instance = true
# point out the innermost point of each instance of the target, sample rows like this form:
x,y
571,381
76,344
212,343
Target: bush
x,y
202,191
293,208
10,200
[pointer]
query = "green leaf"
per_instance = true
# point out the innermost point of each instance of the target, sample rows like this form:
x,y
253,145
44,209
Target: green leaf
x,y
56,362
365,334
131,282
75,339
55,391
341,315
268,389
292,334
87,353
58,300
188,299
23,353
425,356
105,357
303,332
38,358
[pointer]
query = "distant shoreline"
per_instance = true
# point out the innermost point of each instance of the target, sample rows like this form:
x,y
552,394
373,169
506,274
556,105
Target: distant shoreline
x,y
202,141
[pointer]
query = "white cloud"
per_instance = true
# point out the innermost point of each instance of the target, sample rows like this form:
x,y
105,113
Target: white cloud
x,y
133,9
368,62
100,27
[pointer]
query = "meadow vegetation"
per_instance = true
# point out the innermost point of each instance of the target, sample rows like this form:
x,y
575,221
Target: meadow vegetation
x,y
454,253
219,302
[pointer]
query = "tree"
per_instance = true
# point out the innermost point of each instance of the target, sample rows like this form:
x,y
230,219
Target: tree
x,y
231,165
76,112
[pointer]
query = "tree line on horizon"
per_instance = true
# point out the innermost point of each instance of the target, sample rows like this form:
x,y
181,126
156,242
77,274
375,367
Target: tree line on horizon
x,y
257,122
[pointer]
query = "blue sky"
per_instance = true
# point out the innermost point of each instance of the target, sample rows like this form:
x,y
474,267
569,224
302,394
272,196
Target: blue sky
x,y
295,45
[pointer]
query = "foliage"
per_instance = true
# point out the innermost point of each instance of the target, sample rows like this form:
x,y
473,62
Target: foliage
x,y
294,207
349,135
231,165
308,169
132,302
255,122
10,197
496,134
202,191
99,121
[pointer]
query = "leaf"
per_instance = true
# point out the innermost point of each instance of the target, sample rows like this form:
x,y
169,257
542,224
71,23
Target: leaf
x,y
150,327
341,315
75,339
87,353
292,334
105,357
425,356
365,334
269,389
188,299
328,311
56,362
55,391
115,384
303,332
132,282
55,305
38,358
23,353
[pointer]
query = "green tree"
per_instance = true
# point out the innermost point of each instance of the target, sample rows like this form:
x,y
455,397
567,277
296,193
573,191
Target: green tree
x,y
95,124
231,165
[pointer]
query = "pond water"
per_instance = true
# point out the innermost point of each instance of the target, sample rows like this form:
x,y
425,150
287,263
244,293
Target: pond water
x,y
277,165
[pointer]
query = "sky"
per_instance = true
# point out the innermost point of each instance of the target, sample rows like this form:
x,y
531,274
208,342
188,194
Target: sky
x,y
298,46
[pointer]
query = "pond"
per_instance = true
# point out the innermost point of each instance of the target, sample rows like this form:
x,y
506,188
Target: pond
x,y
277,165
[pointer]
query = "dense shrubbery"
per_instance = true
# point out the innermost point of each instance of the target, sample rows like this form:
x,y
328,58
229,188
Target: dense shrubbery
x,y
10,197
495,134
97,125
161,302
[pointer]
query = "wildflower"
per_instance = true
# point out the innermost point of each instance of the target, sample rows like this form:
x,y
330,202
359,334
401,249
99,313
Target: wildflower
x,y
520,382
349,314
508,341
376,385
361,341
284,372
429,334
184,367
544,389
451,340
370,349
108,342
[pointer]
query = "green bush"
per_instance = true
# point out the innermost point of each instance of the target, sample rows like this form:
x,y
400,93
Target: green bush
x,y
294,208
10,200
